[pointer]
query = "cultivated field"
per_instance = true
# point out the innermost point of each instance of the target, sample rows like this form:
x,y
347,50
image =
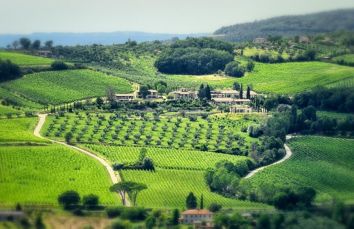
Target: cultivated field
x,y
168,188
18,130
323,163
38,174
345,59
65,86
25,60
248,52
289,78
213,133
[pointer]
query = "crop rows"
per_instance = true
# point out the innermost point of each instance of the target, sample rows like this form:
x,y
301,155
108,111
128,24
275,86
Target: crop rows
x,y
323,163
205,134
38,174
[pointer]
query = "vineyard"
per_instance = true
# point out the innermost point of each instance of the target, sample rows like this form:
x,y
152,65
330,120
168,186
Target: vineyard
x,y
248,52
165,158
25,60
18,130
345,59
168,188
65,86
323,163
209,134
289,78
38,174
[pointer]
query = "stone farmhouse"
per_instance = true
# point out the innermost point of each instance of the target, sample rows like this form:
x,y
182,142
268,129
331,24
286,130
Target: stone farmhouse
x,y
196,216
184,93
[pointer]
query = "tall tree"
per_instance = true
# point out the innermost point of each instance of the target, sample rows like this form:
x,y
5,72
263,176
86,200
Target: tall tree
x,y
248,94
36,44
129,188
15,44
241,92
201,92
202,202
175,217
236,86
48,44
25,43
207,92
143,91
191,201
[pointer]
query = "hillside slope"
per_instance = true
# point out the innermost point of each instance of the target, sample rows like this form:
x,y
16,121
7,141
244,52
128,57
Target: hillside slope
x,y
290,25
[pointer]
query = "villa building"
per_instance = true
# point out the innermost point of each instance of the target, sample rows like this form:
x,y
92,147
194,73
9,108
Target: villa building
x,y
125,97
184,93
196,216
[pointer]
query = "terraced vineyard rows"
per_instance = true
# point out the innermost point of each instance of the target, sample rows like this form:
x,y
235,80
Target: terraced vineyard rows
x,y
209,134
323,163
65,86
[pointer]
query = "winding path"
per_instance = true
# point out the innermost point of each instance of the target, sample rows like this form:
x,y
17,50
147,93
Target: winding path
x,y
115,178
288,154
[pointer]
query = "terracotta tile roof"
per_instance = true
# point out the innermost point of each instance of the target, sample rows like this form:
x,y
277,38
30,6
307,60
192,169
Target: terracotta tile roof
x,y
197,212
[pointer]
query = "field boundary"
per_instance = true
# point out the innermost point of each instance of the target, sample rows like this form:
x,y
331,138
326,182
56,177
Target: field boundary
x,y
288,154
115,178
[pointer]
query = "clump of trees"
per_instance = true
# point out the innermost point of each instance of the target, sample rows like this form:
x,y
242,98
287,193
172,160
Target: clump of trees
x,y
128,189
71,200
204,92
26,44
194,61
59,65
8,70
143,163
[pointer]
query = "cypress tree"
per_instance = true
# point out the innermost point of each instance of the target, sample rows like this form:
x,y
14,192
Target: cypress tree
x,y
191,201
241,92
202,202
248,95
207,92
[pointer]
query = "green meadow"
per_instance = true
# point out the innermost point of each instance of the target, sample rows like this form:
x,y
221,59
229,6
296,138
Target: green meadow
x,y
24,59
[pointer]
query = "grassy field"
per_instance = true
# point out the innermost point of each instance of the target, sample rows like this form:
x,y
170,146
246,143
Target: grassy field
x,y
168,188
38,174
25,60
175,133
18,130
284,78
290,78
65,86
323,163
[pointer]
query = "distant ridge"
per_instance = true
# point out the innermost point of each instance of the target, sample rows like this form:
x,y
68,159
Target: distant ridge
x,y
108,38
308,24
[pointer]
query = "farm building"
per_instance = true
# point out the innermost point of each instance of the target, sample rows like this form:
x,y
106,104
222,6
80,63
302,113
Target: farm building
x,y
196,216
230,101
231,94
152,94
45,53
260,40
125,97
184,93
240,109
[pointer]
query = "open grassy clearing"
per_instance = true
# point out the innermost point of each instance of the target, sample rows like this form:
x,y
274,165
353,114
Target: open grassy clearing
x,y
290,78
165,158
18,130
323,163
213,133
38,174
65,86
25,60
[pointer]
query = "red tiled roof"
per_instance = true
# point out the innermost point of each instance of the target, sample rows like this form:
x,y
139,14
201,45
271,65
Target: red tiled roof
x,y
197,212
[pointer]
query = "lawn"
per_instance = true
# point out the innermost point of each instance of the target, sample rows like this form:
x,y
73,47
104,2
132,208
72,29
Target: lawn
x,y
18,130
25,60
65,86
168,188
324,163
36,175
290,78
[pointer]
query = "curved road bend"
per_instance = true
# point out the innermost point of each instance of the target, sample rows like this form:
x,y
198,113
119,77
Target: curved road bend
x,y
115,178
288,154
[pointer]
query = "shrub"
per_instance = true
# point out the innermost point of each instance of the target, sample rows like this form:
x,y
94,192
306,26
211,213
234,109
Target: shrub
x,y
69,199
114,211
8,70
59,65
90,201
234,69
215,207
134,214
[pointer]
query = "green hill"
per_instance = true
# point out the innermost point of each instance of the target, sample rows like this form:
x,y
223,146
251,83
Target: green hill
x,y
323,163
24,59
65,86
290,25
